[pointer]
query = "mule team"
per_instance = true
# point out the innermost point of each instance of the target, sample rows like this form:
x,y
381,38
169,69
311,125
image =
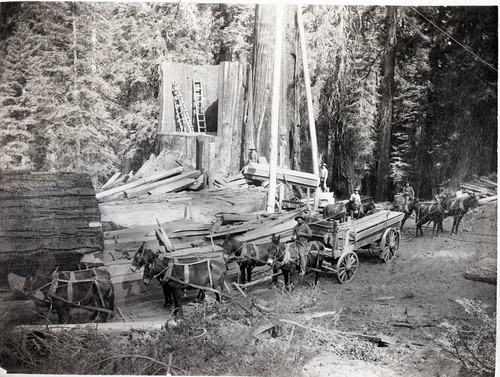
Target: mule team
x,y
92,289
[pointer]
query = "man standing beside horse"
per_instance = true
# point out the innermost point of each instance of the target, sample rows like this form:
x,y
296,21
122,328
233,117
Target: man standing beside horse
x,y
301,234
356,199
408,194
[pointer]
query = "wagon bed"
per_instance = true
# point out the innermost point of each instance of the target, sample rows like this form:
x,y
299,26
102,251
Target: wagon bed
x,y
379,231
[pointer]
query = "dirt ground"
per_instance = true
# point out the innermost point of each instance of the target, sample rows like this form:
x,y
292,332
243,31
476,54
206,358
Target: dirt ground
x,y
402,300
417,289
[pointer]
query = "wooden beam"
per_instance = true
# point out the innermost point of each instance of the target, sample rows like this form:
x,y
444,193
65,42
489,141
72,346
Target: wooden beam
x,y
111,180
275,101
139,182
307,82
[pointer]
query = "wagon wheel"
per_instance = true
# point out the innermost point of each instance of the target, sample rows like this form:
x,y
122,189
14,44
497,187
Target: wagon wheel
x,y
347,266
389,245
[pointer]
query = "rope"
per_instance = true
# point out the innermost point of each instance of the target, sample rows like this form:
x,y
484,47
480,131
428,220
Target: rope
x,y
460,44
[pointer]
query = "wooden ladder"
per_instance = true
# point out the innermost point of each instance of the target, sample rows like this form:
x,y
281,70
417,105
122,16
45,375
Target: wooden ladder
x,y
199,106
181,115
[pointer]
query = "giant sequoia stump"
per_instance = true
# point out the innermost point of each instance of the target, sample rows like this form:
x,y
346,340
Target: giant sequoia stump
x,y
46,217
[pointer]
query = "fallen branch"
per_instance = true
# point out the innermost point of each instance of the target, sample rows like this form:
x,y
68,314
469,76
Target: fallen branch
x,y
381,341
269,277
239,289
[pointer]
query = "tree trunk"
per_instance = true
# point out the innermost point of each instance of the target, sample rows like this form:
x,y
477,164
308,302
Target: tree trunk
x,y
258,122
384,146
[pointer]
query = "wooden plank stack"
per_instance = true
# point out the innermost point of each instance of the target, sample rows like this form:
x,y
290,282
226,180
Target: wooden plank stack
x,y
157,176
259,231
485,188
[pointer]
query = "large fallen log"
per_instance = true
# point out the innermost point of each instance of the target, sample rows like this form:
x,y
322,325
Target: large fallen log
x,y
149,179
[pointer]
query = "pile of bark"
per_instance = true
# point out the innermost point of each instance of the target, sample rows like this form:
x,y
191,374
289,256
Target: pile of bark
x,y
157,176
485,188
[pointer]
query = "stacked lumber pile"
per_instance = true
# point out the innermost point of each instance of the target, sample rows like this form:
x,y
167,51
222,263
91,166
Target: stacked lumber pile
x,y
157,176
485,188
235,180
256,228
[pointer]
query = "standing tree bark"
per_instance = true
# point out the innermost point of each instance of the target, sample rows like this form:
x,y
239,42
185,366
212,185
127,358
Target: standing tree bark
x,y
384,144
257,131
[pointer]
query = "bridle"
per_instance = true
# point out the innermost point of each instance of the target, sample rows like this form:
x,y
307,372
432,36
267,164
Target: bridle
x,y
150,266
277,248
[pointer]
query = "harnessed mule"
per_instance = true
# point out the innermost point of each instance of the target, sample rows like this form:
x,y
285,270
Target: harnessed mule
x,y
427,212
248,256
459,207
286,257
143,257
339,211
86,289
411,206
205,275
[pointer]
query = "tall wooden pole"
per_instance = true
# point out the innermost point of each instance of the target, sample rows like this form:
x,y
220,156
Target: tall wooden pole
x,y
307,82
275,100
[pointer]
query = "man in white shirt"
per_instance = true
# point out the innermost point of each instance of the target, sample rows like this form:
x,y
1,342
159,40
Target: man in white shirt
x,y
323,175
356,199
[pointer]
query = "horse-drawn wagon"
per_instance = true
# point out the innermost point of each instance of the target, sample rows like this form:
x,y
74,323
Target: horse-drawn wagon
x,y
379,232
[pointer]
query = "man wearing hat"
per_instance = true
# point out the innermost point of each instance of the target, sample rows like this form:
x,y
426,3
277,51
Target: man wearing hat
x,y
301,234
356,199
323,175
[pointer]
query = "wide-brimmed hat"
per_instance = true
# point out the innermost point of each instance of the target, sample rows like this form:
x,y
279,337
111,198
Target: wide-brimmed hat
x,y
300,217
323,164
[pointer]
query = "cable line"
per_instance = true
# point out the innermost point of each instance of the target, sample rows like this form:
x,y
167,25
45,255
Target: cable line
x,y
449,36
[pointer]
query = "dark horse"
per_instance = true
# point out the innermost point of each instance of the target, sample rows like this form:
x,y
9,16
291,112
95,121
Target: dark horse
x,y
206,273
86,289
458,207
340,211
427,212
411,206
248,256
286,257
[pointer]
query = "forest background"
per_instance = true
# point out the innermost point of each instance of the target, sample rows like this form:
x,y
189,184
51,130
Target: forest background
x,y
79,86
